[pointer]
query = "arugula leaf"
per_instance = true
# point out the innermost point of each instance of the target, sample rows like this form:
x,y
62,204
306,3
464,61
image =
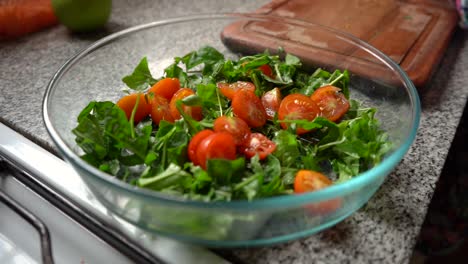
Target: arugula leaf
x,y
211,101
292,60
171,141
273,184
341,80
112,166
173,175
253,62
174,71
201,185
90,134
266,179
141,78
307,84
225,172
287,148
207,55
193,126
362,145
328,131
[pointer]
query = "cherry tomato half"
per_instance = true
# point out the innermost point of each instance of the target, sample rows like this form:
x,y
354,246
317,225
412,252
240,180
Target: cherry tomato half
x,y
295,107
235,126
218,145
194,111
308,181
195,141
257,143
332,103
127,103
166,87
229,89
266,69
160,110
271,101
246,105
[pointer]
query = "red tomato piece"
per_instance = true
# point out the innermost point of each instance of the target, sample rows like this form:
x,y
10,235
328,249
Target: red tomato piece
x,y
195,141
229,89
296,107
257,143
160,110
332,103
235,126
127,103
308,181
247,106
266,69
166,87
194,111
216,146
271,101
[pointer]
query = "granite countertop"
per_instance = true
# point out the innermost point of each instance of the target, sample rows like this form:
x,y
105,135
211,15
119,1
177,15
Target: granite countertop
x,y
384,230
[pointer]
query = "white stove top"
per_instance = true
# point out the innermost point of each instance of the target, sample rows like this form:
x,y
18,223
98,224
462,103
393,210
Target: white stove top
x,y
12,253
71,243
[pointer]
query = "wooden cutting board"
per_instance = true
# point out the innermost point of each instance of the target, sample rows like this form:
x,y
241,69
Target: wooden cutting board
x,y
413,33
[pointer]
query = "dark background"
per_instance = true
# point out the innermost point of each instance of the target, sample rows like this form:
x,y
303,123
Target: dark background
x,y
444,234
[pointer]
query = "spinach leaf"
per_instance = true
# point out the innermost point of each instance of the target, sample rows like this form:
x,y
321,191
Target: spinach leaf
x,y
141,78
109,141
103,132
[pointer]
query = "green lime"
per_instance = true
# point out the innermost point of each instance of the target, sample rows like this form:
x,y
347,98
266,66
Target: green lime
x,y
82,15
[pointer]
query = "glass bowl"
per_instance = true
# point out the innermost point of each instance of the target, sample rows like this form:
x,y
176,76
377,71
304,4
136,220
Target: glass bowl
x,y
95,73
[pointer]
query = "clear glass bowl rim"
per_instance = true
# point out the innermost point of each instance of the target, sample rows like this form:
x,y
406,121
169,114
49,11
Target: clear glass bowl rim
x,y
265,203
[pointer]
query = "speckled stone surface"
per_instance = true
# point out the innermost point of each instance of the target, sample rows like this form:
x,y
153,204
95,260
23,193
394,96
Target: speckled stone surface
x,y
383,231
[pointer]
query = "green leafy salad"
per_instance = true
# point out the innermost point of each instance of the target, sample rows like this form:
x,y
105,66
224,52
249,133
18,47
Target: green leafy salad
x,y
218,129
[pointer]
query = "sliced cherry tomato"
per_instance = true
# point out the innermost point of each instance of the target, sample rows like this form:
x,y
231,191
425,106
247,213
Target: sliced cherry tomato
x,y
194,111
166,87
296,107
332,103
257,143
308,181
235,126
195,141
229,89
127,103
216,146
266,69
271,101
246,105
160,110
